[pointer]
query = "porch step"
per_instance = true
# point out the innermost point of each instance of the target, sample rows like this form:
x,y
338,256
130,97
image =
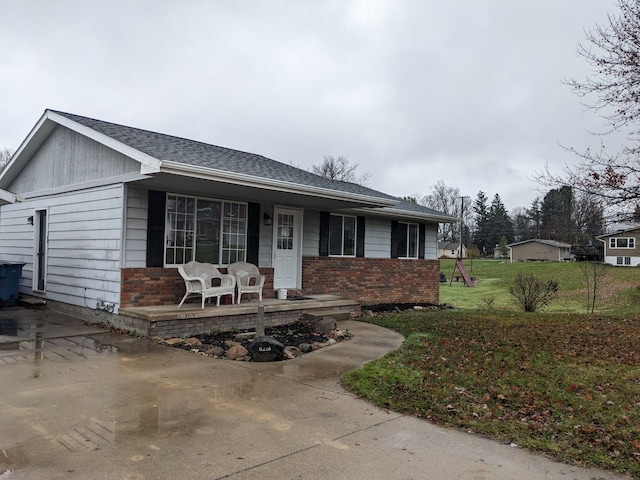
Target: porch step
x,y
32,301
335,314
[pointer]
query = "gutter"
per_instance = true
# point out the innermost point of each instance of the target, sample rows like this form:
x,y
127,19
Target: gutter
x,y
405,214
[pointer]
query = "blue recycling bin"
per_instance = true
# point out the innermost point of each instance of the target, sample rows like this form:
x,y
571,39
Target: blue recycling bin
x,y
10,274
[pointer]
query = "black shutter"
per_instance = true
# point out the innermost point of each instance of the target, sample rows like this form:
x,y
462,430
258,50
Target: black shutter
x,y
394,239
360,237
155,228
253,232
421,240
324,234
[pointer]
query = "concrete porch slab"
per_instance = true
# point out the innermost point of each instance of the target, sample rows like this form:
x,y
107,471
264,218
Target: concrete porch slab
x,y
190,319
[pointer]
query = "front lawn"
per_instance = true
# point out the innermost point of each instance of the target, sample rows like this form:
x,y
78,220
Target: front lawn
x,y
564,385
557,381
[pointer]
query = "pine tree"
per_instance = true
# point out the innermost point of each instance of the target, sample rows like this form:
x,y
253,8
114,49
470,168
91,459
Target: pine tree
x,y
481,211
498,223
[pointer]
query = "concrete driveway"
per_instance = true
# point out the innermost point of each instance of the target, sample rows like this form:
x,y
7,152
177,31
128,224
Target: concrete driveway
x,y
79,402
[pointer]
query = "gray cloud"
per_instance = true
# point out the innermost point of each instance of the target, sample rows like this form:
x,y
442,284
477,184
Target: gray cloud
x,y
414,92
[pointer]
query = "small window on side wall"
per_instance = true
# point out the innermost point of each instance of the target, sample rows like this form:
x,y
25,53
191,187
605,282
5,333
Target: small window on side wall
x,y
342,235
407,240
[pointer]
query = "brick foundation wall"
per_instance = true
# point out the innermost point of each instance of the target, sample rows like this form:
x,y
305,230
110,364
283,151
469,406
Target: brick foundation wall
x,y
372,281
146,287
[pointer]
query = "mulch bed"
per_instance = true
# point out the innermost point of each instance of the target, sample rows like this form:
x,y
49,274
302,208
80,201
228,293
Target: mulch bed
x,y
294,334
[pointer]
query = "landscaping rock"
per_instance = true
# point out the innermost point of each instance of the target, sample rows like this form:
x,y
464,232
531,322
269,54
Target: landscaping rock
x,y
298,336
216,351
266,349
192,342
292,352
323,326
237,352
172,342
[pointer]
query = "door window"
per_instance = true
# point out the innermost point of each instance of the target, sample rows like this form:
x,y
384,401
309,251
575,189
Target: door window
x,y
284,238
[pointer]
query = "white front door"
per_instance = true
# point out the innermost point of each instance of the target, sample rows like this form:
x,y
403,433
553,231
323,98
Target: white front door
x,y
287,239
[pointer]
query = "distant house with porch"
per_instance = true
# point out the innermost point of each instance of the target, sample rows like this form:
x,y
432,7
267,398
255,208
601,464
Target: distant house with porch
x,y
451,250
536,250
101,212
621,247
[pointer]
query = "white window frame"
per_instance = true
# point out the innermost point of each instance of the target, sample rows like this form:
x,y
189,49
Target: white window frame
x,y
408,244
631,242
229,230
342,239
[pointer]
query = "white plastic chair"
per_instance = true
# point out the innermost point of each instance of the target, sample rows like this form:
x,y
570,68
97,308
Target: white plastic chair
x,y
202,279
248,278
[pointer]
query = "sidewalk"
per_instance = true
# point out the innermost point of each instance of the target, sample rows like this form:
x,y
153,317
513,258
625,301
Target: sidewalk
x,y
78,402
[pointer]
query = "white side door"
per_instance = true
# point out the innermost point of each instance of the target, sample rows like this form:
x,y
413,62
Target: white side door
x,y
287,244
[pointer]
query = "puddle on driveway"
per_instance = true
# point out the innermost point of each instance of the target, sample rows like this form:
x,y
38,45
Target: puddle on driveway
x,y
98,397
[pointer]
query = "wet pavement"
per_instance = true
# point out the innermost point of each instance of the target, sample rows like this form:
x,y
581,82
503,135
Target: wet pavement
x,y
80,402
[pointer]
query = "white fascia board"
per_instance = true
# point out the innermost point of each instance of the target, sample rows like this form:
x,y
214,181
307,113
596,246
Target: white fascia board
x,y
103,182
148,163
405,215
234,178
29,145
7,197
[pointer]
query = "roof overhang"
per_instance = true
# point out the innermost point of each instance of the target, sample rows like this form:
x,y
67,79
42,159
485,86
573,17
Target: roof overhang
x,y
270,185
47,123
618,232
7,197
390,212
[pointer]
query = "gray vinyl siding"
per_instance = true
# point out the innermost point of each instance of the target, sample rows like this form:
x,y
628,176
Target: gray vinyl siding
x,y
135,251
311,234
377,239
67,158
431,241
83,247
265,241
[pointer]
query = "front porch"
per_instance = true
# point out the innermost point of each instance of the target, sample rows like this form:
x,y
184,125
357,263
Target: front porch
x,y
171,321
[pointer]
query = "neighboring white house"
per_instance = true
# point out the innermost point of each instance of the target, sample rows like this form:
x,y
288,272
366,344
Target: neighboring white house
x,y
621,247
103,212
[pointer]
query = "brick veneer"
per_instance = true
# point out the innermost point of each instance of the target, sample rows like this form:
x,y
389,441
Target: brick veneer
x,y
146,287
372,281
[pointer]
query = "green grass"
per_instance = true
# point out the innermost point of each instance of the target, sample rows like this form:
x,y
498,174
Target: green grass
x,y
556,381
620,286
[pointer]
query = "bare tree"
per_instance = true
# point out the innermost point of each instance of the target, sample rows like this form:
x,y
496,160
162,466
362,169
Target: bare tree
x,y
613,89
445,199
340,169
5,156
593,274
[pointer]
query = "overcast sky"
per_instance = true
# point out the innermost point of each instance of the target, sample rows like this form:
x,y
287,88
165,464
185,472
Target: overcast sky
x,y
467,92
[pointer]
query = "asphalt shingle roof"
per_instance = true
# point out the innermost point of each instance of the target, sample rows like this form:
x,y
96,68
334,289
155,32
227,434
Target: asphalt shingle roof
x,y
552,243
198,154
